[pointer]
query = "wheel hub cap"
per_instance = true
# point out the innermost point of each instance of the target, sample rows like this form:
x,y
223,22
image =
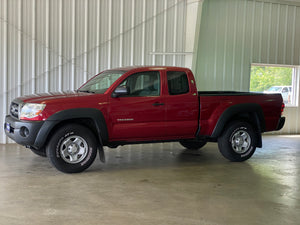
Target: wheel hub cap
x,y
73,149
241,141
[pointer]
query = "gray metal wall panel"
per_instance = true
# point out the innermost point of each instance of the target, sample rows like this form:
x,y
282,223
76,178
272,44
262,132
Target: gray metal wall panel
x,y
56,45
236,33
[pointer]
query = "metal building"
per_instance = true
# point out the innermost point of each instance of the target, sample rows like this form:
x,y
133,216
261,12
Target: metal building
x,y
235,34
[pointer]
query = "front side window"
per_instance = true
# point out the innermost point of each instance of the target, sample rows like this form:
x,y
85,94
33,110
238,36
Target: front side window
x,y
143,84
177,83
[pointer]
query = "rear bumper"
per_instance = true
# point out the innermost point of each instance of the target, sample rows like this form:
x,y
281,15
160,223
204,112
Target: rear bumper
x,y
22,132
280,123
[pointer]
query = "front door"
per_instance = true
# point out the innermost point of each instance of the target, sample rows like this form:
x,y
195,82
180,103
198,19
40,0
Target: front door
x,y
139,115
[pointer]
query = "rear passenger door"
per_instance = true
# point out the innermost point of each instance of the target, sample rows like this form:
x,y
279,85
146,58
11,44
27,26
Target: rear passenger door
x,y
181,106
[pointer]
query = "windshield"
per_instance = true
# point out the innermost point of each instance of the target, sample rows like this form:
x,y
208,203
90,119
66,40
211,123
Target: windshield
x,y
100,83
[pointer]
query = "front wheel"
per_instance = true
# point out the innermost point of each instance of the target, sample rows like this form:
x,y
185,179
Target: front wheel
x,y
72,148
238,141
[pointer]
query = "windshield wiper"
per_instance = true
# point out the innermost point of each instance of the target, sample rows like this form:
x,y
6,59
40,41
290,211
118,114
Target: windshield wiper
x,y
86,91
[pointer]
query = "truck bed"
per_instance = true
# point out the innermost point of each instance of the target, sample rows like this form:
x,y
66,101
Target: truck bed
x,y
227,93
214,103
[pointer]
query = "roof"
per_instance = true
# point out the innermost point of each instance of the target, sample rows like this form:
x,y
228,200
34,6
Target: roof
x,y
129,68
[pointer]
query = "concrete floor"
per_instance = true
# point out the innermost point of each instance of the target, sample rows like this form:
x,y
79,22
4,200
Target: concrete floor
x,y
155,184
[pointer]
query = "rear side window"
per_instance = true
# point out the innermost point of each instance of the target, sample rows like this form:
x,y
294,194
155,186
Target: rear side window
x,y
177,82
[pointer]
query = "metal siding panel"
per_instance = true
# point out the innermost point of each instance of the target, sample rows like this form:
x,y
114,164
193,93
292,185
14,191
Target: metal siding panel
x,y
143,33
181,27
19,73
132,32
265,32
229,51
242,28
96,30
159,31
282,36
55,45
92,39
240,42
296,59
79,43
66,45
115,42
256,30
3,65
154,31
41,30
164,31
175,30
127,32
104,35
12,50
149,31
169,29
223,45
292,31
217,57
136,41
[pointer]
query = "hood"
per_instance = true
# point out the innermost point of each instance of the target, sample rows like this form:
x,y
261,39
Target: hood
x,y
46,97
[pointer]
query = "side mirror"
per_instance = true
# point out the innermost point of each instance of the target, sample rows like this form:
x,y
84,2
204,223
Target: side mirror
x,y
120,91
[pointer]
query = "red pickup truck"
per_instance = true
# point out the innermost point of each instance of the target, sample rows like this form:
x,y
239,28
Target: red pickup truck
x,y
140,105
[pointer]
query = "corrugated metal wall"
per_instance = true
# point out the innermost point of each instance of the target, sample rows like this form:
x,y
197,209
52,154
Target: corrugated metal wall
x,y
55,45
236,33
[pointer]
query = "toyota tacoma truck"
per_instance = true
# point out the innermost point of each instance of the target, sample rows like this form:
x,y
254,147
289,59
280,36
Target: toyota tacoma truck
x,y
140,105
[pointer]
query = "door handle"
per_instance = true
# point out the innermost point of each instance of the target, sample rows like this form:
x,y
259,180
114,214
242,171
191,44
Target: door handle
x,y
158,104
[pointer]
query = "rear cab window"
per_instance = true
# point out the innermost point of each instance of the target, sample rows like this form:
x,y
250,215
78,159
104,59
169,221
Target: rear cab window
x,y
177,82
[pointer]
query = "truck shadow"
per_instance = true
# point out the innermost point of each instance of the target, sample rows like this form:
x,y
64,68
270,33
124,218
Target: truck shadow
x,y
157,156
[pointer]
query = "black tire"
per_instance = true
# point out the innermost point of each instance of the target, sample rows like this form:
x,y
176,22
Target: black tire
x,y
192,144
72,148
40,152
238,141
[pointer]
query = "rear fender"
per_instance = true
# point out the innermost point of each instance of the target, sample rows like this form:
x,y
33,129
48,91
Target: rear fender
x,y
250,112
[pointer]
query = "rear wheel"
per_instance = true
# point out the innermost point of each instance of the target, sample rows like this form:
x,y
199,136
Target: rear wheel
x,y
192,144
238,141
72,148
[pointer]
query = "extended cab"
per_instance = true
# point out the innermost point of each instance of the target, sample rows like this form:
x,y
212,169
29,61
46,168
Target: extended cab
x,y
140,105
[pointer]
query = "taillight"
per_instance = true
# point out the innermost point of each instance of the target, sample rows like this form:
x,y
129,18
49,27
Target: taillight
x,y
282,107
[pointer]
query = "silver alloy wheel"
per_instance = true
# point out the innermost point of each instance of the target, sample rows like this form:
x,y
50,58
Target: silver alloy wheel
x,y
73,149
241,141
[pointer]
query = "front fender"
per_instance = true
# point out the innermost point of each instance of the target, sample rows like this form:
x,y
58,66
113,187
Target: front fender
x,y
72,114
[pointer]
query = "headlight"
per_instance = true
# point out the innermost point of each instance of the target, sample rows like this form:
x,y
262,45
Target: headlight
x,y
31,110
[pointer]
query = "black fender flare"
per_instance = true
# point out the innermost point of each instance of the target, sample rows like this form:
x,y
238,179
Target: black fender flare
x,y
231,113
70,114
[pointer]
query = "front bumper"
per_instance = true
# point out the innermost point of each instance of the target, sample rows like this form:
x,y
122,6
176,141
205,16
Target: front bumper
x,y
280,123
22,132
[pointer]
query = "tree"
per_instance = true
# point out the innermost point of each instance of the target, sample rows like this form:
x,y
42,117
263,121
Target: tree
x,y
264,77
